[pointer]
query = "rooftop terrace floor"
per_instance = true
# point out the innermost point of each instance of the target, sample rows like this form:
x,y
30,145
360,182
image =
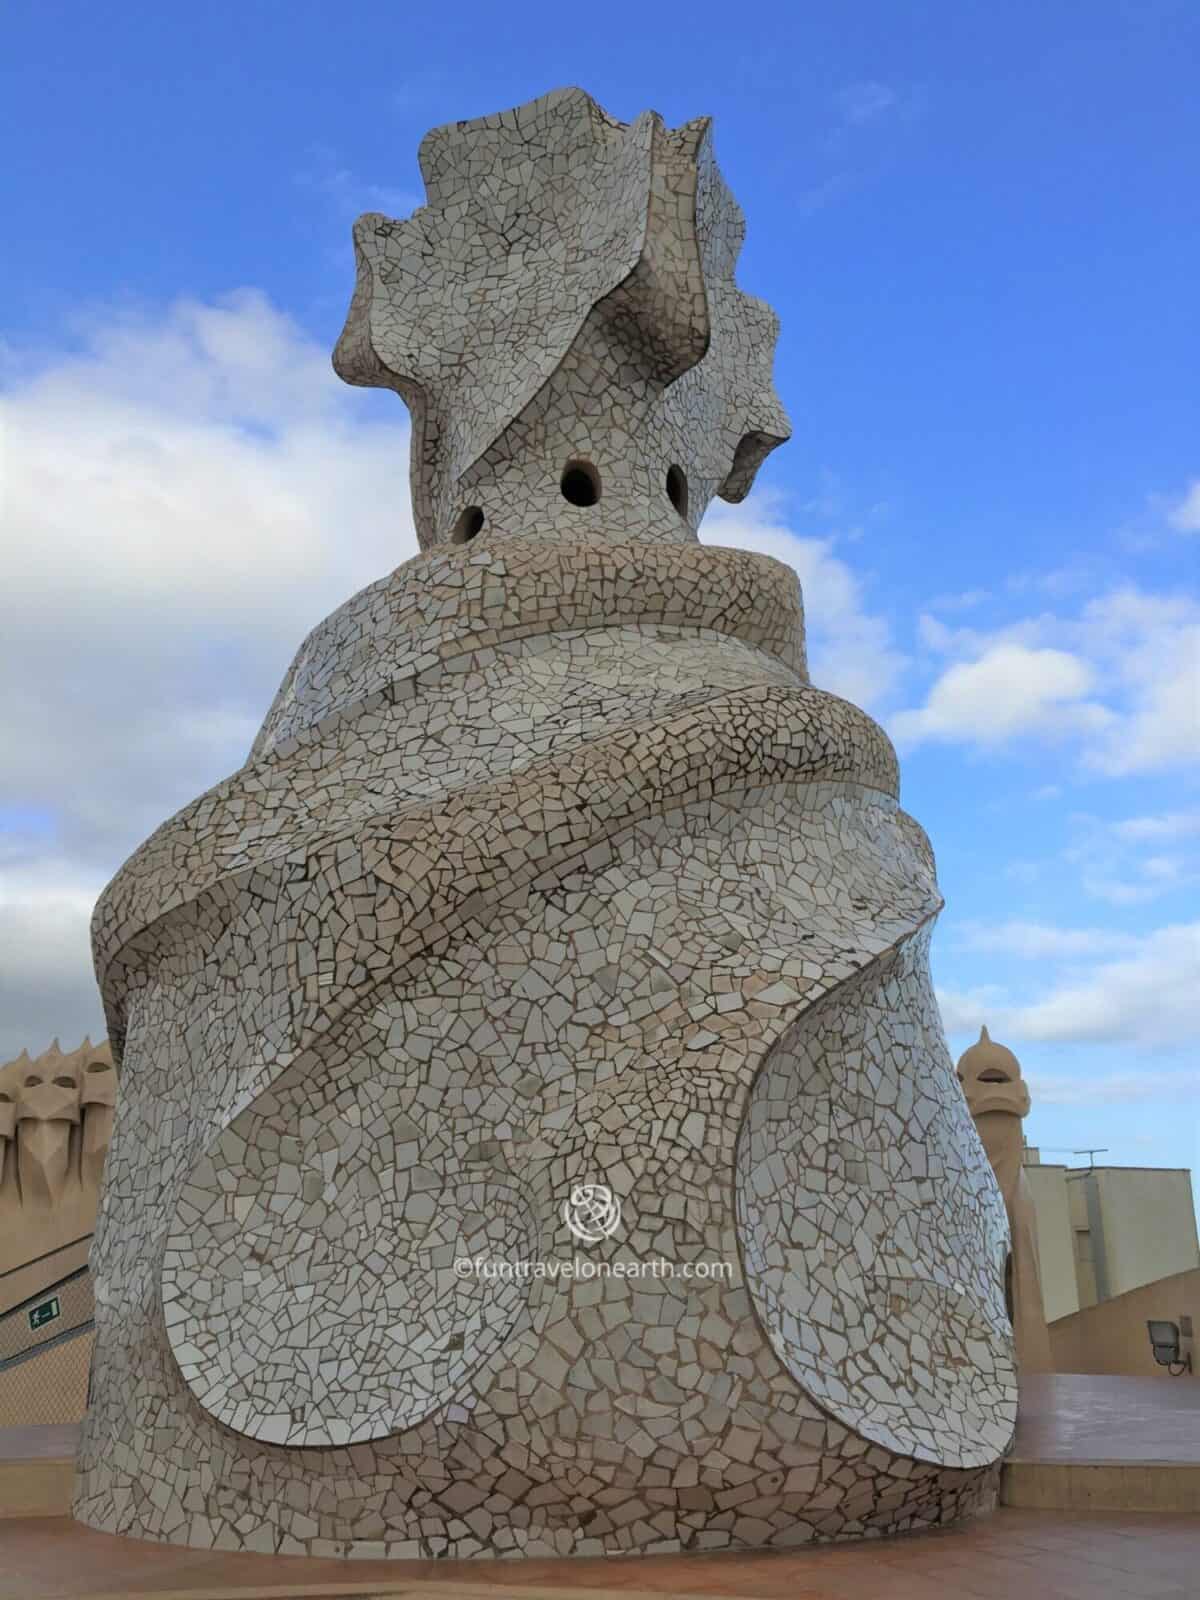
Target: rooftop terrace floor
x,y
1011,1555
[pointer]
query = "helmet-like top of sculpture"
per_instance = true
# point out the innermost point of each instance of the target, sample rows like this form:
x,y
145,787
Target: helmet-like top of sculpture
x,y
991,1078
562,319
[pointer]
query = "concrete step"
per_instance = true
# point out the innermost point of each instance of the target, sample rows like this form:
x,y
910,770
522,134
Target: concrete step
x,y
1101,1485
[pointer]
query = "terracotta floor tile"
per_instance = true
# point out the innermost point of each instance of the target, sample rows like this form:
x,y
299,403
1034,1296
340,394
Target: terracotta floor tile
x,y
1013,1555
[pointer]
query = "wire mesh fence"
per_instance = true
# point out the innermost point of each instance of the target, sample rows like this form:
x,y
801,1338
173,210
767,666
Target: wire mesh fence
x,y
47,1383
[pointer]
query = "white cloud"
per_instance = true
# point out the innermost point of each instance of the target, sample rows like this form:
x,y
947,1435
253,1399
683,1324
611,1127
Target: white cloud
x,y
968,1010
1166,825
1035,941
1184,516
1149,648
1114,864
1117,891
46,986
850,649
1142,991
1008,690
185,497
195,464
1121,681
1116,1088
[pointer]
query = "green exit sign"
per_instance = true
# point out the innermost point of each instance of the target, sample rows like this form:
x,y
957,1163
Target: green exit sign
x,y
46,1312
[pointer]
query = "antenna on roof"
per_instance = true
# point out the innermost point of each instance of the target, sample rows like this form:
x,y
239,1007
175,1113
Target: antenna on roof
x,y
1098,1150
1063,1150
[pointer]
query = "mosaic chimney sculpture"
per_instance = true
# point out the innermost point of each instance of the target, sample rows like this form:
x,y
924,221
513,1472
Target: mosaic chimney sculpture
x,y
554,918
998,1099
55,1122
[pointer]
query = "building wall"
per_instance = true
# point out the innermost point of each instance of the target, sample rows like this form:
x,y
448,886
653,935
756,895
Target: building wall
x,y
1104,1232
1148,1222
1111,1338
24,1282
1056,1252
1087,1240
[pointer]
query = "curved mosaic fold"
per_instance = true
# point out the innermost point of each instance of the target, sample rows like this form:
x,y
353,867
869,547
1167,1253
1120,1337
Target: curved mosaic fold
x,y
549,867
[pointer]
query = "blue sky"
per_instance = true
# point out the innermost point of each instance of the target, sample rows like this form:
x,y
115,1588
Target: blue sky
x,y
978,224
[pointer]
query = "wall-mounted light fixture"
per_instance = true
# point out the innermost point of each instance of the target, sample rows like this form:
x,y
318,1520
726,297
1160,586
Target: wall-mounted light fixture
x,y
1171,1346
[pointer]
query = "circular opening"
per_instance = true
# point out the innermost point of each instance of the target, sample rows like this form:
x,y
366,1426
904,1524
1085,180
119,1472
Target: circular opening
x,y
580,483
677,489
468,525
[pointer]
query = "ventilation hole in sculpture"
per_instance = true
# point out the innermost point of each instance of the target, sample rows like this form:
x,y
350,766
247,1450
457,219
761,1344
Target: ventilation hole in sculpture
x,y
6,1099
468,525
581,483
993,1075
677,489
64,1083
32,1083
99,1066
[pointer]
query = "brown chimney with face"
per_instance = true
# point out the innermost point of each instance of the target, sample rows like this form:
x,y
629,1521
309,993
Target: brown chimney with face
x,y
47,1113
998,1099
56,1115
